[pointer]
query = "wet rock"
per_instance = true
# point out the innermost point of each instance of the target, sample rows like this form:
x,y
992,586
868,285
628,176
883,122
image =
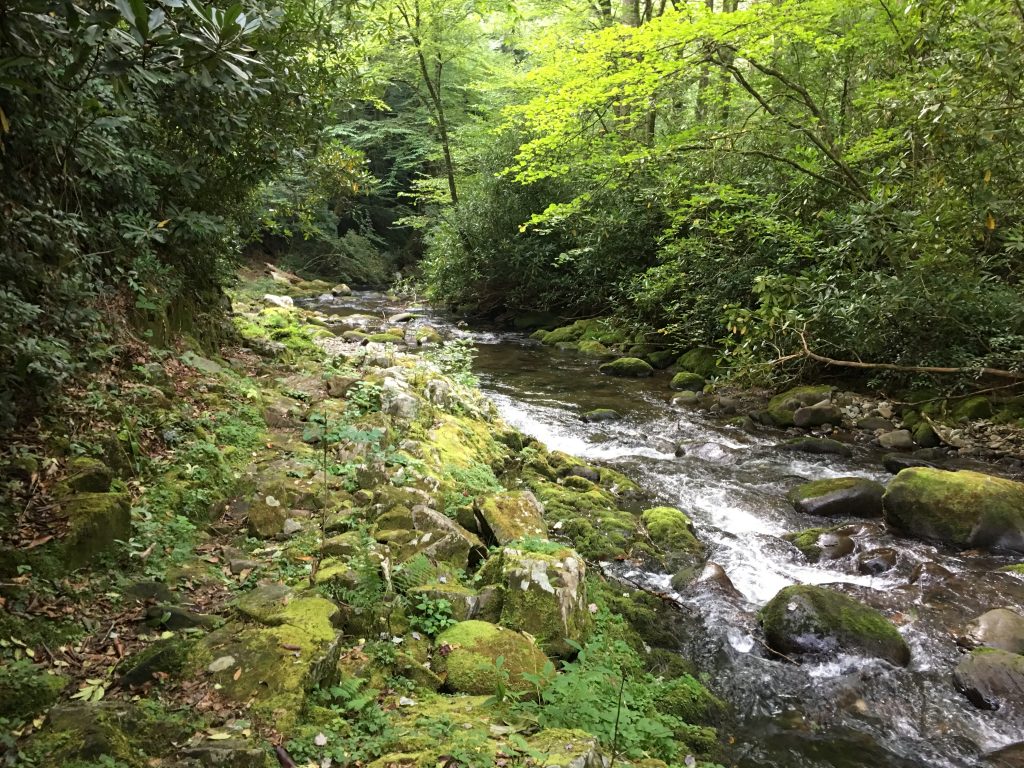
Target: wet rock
x,y
838,497
594,348
814,621
897,440
341,290
823,543
701,360
601,414
817,415
930,575
632,367
686,399
402,317
505,517
782,407
427,335
925,436
875,423
967,509
817,445
876,561
673,532
895,463
714,575
546,596
992,679
690,382
1007,757
999,628
465,654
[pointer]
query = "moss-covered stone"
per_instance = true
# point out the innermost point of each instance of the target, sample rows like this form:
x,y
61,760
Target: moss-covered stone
x,y
838,497
700,360
978,407
781,408
967,509
686,697
819,622
668,527
992,679
26,689
630,367
822,543
591,520
96,522
88,475
600,415
505,517
545,594
687,381
468,652
593,348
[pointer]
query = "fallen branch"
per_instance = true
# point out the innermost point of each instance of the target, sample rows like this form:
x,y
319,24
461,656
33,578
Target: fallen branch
x,y
995,372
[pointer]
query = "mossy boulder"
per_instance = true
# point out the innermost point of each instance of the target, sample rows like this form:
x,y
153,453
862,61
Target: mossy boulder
x,y
818,622
817,445
593,348
670,528
26,689
686,381
88,475
978,407
782,407
590,519
96,522
599,415
688,699
660,359
1000,628
966,509
992,679
838,497
505,517
700,360
466,654
545,594
629,367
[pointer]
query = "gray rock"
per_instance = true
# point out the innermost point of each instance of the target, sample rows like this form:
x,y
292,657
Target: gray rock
x,y
999,628
285,302
818,445
894,463
876,561
341,290
838,497
875,423
992,679
817,415
898,439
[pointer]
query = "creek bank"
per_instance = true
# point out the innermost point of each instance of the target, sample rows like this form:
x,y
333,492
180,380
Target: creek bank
x,y
367,541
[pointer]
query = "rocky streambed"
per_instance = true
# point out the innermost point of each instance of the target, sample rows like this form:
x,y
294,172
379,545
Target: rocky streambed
x,y
845,629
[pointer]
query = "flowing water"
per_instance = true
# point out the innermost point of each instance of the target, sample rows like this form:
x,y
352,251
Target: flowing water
x,y
847,713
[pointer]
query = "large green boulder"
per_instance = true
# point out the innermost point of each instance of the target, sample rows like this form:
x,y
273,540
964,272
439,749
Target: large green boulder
x,y
96,522
701,360
466,656
838,497
89,475
671,529
686,381
594,348
818,622
966,509
630,367
545,594
505,517
782,407
978,407
26,689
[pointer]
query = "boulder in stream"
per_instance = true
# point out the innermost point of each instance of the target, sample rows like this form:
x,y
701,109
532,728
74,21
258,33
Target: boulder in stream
x,y
838,497
818,622
992,679
630,367
817,445
782,407
999,628
817,415
691,382
965,508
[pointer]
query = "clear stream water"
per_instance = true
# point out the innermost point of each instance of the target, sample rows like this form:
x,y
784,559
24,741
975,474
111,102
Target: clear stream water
x,y
847,713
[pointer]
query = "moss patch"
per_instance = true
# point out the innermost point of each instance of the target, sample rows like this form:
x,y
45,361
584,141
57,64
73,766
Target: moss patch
x,y
472,647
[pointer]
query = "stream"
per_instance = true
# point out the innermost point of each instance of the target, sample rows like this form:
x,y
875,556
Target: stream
x,y
846,713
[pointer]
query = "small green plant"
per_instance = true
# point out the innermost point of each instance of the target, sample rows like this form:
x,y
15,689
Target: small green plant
x,y
363,397
455,359
432,616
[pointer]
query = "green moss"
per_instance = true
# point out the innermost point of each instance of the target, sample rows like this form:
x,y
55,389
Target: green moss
x,y
592,348
979,407
670,528
563,747
26,690
1015,568
807,542
686,381
701,360
591,520
630,367
686,698
469,666
506,517
96,522
781,407
387,337
963,508
810,619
